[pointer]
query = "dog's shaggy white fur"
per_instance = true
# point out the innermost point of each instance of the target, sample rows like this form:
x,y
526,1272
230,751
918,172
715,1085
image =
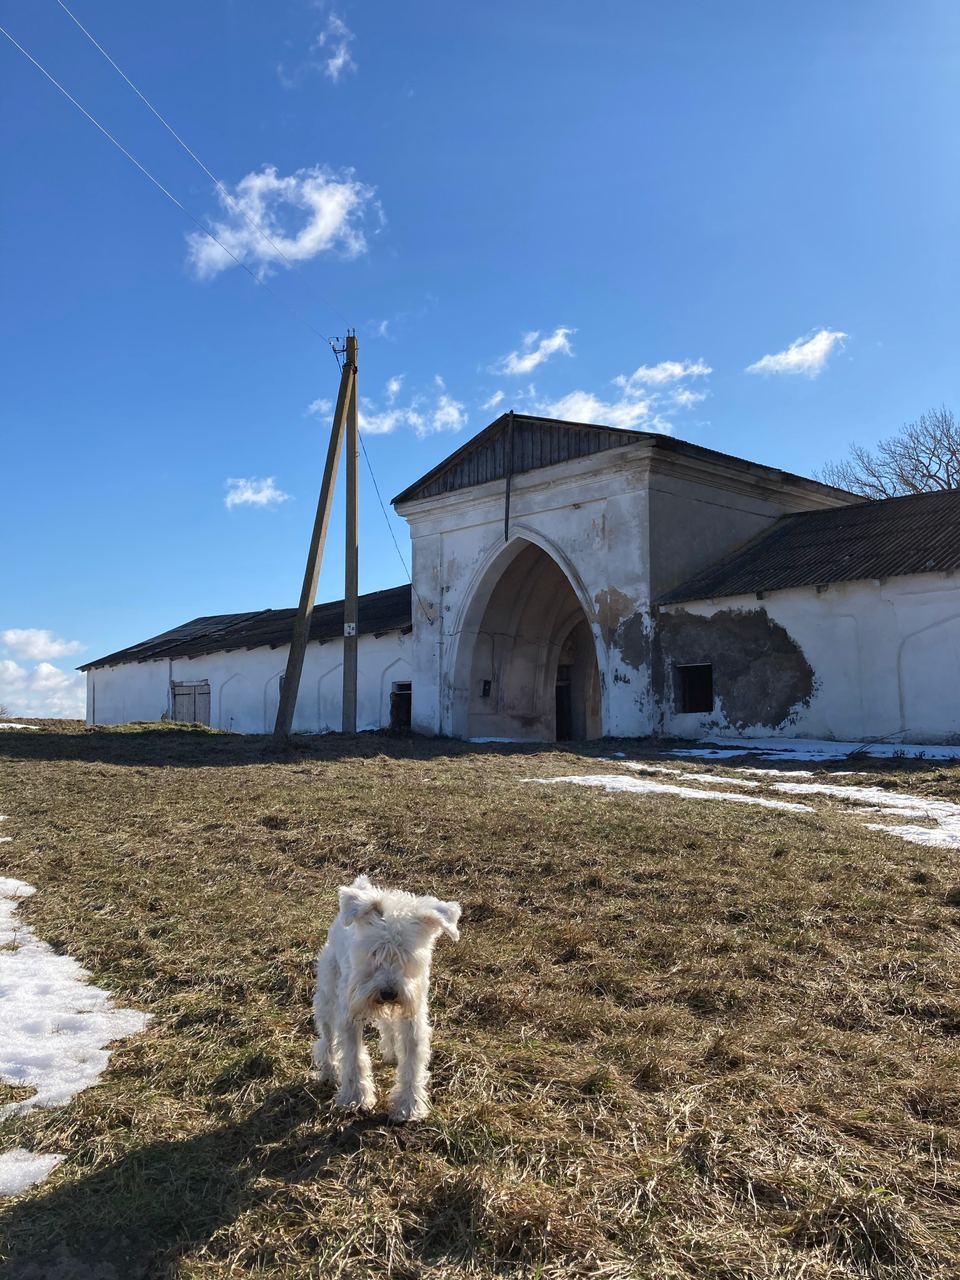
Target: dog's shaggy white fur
x,y
375,967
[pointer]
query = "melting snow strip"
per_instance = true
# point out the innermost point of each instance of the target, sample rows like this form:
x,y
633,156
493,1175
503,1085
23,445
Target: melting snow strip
x,y
817,749
673,772
10,725
54,1027
946,814
647,786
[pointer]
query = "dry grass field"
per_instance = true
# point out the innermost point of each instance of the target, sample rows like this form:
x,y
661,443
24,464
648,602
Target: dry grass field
x,y
677,1039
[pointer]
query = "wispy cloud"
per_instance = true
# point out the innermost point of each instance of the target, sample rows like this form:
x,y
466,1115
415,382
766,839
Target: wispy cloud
x,y
426,413
663,374
271,220
646,397
535,351
35,643
584,406
807,355
496,399
253,493
42,690
329,54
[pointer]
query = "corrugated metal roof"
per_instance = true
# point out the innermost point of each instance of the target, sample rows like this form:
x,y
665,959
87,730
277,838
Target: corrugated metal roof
x,y
379,611
916,534
544,442
536,442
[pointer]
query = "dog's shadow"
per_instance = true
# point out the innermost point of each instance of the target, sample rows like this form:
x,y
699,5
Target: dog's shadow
x,y
131,1219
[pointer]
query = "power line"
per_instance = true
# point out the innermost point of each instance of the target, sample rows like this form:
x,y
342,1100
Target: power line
x,y
386,517
231,200
160,187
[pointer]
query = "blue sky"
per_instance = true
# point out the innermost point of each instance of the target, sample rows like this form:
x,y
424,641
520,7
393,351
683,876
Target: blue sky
x,y
653,190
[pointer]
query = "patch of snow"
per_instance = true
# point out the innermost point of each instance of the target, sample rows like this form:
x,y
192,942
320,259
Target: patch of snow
x,y
54,1024
818,749
20,1169
946,814
10,725
647,786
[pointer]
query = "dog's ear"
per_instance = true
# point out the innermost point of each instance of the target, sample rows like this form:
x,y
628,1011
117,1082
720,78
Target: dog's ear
x,y
358,899
445,916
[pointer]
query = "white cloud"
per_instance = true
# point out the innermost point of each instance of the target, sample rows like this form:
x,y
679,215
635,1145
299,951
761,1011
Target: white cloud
x,y
425,413
662,374
322,408
253,493
393,386
807,355
35,643
533,352
645,397
329,54
584,406
309,212
495,399
335,40
43,690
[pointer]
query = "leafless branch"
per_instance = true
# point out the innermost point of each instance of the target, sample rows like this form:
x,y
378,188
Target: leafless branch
x,y
923,457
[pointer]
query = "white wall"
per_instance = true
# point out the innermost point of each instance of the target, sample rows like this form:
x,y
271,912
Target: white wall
x,y
594,516
245,686
885,657
591,517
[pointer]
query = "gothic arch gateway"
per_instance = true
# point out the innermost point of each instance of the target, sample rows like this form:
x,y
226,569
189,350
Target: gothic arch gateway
x,y
526,664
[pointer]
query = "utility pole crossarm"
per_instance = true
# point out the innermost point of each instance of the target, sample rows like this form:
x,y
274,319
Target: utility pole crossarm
x,y
301,627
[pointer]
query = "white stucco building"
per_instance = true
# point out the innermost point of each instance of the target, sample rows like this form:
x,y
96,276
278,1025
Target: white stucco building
x,y
577,581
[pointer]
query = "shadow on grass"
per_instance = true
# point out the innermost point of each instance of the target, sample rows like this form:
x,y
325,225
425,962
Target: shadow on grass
x,y
196,747
131,1219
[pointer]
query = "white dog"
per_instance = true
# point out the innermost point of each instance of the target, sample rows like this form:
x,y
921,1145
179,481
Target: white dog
x,y
375,967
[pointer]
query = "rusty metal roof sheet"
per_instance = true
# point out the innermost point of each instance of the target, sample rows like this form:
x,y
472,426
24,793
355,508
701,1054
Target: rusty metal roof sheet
x,y
895,536
379,611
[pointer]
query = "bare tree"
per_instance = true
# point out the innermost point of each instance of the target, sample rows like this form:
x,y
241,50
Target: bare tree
x,y
923,457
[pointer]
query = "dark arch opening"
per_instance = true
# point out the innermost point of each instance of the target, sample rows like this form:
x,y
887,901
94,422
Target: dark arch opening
x,y
533,668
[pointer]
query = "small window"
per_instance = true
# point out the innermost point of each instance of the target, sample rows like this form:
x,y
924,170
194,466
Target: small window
x,y
694,686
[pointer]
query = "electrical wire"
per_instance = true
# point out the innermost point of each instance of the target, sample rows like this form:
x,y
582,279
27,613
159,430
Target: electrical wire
x,y
160,187
232,202
386,517
207,232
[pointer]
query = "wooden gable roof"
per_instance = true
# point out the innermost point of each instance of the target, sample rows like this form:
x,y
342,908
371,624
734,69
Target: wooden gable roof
x,y
515,443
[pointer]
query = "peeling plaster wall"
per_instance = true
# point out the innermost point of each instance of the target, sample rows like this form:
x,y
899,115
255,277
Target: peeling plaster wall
x,y
884,658
245,686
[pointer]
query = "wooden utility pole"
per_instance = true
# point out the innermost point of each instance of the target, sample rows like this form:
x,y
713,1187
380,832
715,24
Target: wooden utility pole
x,y
351,560
301,627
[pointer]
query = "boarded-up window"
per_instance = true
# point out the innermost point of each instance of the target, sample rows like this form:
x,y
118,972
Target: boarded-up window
x,y
191,701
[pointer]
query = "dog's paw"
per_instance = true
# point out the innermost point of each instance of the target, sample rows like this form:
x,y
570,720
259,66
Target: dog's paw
x,y
325,1073
358,1098
406,1107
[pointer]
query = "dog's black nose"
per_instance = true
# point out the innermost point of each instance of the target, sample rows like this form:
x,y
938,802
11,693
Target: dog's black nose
x,y
388,995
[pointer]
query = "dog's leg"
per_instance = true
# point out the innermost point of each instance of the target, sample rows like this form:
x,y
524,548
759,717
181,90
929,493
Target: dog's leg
x,y
324,1047
408,1097
388,1039
356,1091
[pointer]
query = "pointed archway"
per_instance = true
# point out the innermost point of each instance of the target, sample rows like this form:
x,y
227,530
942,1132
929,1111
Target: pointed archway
x,y
526,665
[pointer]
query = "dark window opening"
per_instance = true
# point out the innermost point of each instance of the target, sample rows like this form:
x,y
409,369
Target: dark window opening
x,y
485,686
694,685
564,703
400,706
